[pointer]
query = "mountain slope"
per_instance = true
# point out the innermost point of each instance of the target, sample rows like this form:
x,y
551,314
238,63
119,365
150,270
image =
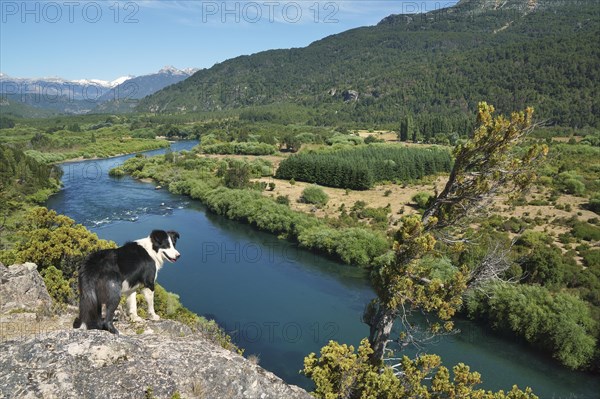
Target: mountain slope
x,y
512,53
124,97
12,107
82,96
142,86
53,95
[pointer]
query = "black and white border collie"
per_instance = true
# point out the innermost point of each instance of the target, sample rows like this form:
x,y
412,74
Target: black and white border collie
x,y
110,273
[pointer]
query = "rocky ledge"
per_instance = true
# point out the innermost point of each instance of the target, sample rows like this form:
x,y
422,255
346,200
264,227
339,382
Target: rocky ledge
x,y
162,359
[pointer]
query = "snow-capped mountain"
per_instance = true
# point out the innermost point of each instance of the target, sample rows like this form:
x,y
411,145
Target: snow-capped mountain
x,y
55,87
142,86
174,71
85,95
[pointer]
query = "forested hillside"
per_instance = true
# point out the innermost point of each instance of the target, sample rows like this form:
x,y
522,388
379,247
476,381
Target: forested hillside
x,y
541,53
23,178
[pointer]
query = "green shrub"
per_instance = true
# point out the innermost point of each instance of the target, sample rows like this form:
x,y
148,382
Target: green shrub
x,y
58,286
591,258
314,195
538,202
422,199
49,239
342,139
571,182
574,186
237,175
594,203
586,231
40,196
558,322
442,267
356,245
239,148
283,199
117,172
372,139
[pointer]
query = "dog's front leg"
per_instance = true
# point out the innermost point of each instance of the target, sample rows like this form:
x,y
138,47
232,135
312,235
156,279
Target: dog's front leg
x,y
149,296
132,307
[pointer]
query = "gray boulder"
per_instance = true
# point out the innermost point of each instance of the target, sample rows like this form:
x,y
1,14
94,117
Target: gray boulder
x,y
22,287
168,358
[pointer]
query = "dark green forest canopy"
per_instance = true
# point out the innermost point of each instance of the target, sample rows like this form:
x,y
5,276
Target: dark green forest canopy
x,y
359,168
443,62
22,176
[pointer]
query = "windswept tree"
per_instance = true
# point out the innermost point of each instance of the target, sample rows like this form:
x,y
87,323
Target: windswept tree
x,y
491,163
487,165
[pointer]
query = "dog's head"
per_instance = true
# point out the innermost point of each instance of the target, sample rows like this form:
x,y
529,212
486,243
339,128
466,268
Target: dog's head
x,y
163,242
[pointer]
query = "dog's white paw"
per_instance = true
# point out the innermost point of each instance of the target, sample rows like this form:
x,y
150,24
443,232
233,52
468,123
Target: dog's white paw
x,y
135,318
154,317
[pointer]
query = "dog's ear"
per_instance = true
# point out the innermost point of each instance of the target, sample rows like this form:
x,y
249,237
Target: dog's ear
x,y
174,236
157,237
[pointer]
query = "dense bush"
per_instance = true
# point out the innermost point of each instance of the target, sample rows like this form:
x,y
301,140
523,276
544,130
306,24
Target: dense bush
x,y
49,239
585,231
59,287
422,199
379,215
558,322
237,175
117,172
541,261
352,245
574,186
283,200
339,138
314,195
340,372
591,258
359,168
243,148
357,246
594,204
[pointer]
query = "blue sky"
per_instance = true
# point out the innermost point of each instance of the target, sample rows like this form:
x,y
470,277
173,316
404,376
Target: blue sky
x,y
77,39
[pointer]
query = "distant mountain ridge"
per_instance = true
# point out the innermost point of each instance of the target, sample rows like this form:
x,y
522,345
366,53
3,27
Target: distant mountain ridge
x,y
512,53
56,86
86,95
138,87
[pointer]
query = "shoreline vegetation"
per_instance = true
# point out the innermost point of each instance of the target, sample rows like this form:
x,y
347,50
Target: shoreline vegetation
x,y
131,147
